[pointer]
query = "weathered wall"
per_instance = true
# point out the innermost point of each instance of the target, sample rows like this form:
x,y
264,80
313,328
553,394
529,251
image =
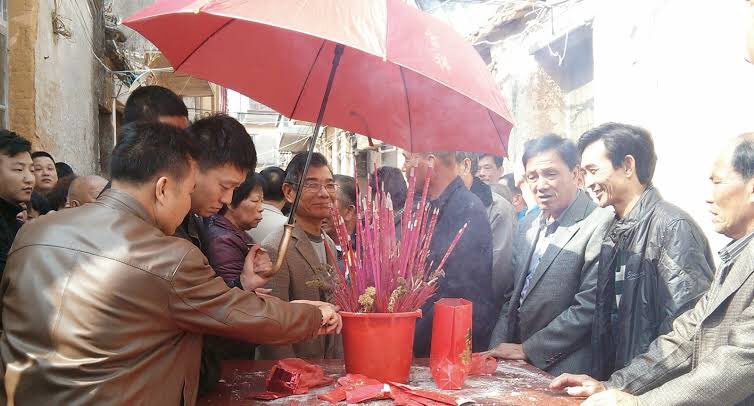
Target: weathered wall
x,y
55,86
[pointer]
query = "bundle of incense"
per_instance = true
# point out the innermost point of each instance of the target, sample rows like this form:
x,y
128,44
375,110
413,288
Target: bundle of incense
x,y
383,272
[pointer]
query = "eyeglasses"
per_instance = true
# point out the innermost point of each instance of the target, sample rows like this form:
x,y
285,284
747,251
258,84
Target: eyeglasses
x,y
314,187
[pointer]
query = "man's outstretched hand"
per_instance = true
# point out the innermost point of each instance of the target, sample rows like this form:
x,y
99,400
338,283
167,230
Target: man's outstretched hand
x,y
256,269
577,385
331,320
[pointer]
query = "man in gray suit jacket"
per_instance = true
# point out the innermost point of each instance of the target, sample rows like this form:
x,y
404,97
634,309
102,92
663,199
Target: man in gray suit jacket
x,y
547,316
708,357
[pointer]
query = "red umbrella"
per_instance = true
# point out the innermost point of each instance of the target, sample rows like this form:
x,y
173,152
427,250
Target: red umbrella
x,y
402,76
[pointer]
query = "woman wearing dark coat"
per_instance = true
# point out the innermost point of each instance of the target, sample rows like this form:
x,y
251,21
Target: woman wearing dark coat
x,y
227,246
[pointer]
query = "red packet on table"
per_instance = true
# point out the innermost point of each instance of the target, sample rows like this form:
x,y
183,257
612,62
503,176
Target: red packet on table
x,y
450,354
482,364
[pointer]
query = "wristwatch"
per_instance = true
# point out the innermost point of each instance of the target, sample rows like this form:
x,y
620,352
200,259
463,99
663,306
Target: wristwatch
x,y
236,283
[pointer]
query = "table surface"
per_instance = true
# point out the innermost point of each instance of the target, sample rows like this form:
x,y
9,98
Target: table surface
x,y
514,383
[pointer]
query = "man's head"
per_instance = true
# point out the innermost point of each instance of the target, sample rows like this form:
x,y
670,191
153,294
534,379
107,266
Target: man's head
x,y
345,201
226,155
16,168
85,189
393,183
154,163
443,169
551,168
44,171
618,161
156,104
63,170
245,210
273,184
467,166
490,168
517,196
319,189
731,200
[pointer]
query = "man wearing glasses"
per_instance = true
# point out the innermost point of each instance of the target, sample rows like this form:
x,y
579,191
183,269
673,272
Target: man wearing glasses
x,y
307,254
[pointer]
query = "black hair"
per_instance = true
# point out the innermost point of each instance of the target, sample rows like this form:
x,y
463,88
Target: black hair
x,y
37,154
498,159
295,168
511,184
58,196
473,157
242,192
12,144
147,149
621,140
743,156
222,140
63,169
565,148
40,203
393,182
149,103
346,189
273,183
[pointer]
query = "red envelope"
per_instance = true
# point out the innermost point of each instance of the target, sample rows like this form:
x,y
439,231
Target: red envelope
x,y
482,364
450,354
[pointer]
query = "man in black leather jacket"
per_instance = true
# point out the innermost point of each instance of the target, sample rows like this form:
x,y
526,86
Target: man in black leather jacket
x,y
655,262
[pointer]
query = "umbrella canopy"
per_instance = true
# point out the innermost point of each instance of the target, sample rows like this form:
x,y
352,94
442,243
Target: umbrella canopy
x,y
404,77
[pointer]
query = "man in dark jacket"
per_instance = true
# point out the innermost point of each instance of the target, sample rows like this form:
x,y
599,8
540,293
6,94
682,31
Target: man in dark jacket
x,y
468,270
655,261
16,184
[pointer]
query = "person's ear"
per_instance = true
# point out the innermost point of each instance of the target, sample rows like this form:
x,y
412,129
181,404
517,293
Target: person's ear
x,y
289,192
750,189
161,190
629,165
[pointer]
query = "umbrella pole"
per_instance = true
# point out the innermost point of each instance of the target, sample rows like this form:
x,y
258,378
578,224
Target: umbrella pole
x,y
288,227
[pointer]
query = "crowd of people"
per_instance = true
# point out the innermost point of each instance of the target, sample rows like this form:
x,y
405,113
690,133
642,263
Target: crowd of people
x,y
135,289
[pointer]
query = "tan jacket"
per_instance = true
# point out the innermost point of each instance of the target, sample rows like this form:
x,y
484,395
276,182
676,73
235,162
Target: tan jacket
x,y
99,307
708,357
290,283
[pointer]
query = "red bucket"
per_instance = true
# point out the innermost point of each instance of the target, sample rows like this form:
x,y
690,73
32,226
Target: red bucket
x,y
379,345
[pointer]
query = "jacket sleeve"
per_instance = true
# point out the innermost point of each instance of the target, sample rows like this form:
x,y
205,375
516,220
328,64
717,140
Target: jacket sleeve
x,y
684,269
203,303
226,257
557,340
722,377
280,284
668,357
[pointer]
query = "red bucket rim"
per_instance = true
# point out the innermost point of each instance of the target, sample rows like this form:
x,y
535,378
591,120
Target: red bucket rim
x,y
415,313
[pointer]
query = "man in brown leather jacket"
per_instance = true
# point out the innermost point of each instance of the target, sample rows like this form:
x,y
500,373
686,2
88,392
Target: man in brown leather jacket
x,y
101,305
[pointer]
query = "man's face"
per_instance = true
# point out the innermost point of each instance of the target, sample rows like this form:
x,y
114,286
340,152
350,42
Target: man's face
x,y
488,171
551,182
16,177
214,189
45,173
248,214
606,184
420,163
181,122
318,194
174,200
731,198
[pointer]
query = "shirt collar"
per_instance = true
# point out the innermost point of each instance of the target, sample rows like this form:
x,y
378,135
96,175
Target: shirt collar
x,y
730,253
270,207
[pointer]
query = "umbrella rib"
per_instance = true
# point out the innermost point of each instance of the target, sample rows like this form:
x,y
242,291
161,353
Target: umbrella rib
x,y
497,130
311,68
408,109
180,65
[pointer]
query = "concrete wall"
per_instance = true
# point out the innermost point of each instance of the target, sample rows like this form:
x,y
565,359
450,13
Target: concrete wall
x,y
56,82
677,68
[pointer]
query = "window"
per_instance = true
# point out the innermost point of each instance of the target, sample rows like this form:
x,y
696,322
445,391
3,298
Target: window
x,y
3,63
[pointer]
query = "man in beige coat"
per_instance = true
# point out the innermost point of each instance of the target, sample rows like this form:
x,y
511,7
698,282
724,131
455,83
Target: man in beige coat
x,y
102,306
708,357
307,252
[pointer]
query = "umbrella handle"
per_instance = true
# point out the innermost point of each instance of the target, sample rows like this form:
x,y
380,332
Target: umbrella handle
x,y
282,250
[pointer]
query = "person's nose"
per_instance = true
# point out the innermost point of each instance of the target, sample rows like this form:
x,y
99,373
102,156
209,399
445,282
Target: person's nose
x,y
227,197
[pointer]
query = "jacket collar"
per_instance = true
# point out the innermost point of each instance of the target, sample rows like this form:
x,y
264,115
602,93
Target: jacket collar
x,y
305,248
446,194
9,210
272,208
222,222
643,209
482,191
741,271
123,201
